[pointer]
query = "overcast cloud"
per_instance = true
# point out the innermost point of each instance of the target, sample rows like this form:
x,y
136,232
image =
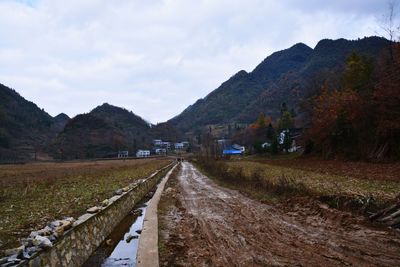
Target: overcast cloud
x,y
156,57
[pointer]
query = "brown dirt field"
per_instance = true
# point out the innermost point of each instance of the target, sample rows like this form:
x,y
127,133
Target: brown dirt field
x,y
204,224
359,169
32,195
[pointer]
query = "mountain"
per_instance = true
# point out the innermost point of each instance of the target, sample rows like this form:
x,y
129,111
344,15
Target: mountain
x,y
59,122
166,131
24,127
288,76
102,132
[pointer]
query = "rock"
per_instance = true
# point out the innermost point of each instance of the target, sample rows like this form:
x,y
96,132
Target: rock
x,y
66,224
14,258
105,202
137,212
58,232
52,238
125,189
42,242
118,192
45,231
55,224
14,251
27,242
93,210
25,255
70,219
3,260
31,250
33,234
130,237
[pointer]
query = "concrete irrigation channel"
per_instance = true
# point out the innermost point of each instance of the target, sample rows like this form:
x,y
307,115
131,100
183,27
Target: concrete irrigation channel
x,y
94,239
134,242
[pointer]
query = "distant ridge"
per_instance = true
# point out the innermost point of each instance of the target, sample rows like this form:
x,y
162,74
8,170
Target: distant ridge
x,y
24,127
284,76
102,132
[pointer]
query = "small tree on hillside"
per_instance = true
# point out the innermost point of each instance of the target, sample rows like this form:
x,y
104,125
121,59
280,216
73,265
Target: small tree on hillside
x,y
286,121
261,120
270,132
274,145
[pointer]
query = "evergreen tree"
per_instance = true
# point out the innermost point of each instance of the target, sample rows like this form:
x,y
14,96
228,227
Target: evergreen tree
x,y
286,121
270,132
284,108
261,120
274,145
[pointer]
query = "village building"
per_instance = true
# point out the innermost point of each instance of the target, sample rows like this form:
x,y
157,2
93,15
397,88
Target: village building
x,y
186,144
166,145
123,154
179,146
157,142
143,153
239,147
160,151
231,152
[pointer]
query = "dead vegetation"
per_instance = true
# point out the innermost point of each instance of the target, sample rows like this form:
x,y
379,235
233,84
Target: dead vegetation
x,y
31,195
389,216
268,182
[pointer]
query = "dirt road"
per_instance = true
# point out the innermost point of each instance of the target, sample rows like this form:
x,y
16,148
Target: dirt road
x,y
213,226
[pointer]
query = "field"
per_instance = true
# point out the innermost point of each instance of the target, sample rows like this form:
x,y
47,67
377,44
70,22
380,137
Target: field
x,y
31,195
380,182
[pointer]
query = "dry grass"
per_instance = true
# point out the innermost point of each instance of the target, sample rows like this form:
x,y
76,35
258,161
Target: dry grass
x,y
355,169
324,183
31,195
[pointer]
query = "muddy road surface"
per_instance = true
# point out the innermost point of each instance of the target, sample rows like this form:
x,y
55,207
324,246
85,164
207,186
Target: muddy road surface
x,y
209,225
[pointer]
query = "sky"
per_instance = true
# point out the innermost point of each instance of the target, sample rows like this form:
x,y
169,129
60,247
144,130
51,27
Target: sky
x,y
156,57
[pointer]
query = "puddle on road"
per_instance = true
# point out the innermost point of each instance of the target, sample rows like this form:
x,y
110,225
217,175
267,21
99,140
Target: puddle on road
x,y
121,251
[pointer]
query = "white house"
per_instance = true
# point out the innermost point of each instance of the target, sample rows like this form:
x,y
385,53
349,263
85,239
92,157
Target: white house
x,y
281,138
160,151
186,144
166,145
123,154
143,153
157,142
179,146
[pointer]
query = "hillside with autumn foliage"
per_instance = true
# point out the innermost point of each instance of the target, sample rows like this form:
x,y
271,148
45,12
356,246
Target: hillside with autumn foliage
x,y
289,76
360,118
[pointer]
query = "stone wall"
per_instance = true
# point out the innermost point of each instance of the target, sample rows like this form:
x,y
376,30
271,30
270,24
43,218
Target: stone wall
x,y
78,243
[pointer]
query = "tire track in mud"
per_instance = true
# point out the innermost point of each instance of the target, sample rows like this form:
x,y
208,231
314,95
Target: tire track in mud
x,y
221,227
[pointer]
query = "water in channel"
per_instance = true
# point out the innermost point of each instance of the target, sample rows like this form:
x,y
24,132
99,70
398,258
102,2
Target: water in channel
x,y
120,247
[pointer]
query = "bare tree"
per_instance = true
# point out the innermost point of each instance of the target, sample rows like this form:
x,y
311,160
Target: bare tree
x,y
390,25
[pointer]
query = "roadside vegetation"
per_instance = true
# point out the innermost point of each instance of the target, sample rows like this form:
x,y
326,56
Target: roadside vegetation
x,y
268,182
33,194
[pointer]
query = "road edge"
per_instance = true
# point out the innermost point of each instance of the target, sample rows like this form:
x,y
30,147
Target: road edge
x,y
147,254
